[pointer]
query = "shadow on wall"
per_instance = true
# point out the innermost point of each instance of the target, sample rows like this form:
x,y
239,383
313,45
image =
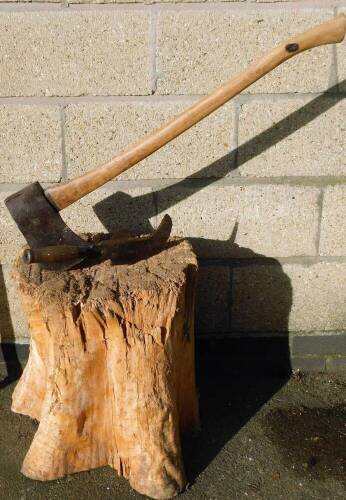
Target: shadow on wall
x,y
8,349
120,202
235,378
115,212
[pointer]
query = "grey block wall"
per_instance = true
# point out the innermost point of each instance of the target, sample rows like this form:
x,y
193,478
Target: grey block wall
x,y
259,186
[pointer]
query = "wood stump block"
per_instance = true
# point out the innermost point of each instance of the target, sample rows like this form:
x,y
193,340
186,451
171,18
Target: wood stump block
x,y
111,373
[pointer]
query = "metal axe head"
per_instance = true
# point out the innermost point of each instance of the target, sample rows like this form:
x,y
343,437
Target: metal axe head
x,y
59,247
38,220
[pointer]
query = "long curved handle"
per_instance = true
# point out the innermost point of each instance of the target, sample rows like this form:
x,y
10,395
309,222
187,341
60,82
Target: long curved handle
x,y
63,195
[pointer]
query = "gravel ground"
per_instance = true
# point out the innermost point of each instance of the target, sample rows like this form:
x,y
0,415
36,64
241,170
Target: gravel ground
x,y
265,435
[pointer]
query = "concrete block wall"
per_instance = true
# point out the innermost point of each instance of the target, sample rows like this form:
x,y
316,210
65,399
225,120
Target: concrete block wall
x,y
259,186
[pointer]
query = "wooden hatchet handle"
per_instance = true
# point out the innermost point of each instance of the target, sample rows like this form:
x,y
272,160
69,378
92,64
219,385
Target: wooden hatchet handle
x,y
63,195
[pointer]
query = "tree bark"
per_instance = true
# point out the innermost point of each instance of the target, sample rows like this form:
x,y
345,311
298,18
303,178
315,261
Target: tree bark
x,y
111,373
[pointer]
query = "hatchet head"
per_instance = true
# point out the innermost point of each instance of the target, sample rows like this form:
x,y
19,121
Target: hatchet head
x,y
38,220
55,246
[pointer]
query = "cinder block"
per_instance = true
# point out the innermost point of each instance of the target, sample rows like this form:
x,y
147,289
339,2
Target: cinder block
x,y
341,58
289,298
74,53
11,239
333,225
318,296
198,50
272,220
97,132
30,144
213,299
261,298
292,137
336,364
12,320
105,210
308,364
319,344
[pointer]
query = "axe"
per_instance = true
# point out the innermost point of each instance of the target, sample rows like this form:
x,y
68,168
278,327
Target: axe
x,y
36,210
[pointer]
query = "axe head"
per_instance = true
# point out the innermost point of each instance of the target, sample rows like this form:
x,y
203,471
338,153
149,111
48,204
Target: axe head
x,y
38,220
43,228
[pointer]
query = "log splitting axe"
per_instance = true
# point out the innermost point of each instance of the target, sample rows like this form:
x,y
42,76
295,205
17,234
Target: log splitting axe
x,y
36,210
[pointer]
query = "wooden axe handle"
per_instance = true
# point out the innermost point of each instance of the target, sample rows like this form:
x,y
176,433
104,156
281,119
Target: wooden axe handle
x,y
56,253
63,195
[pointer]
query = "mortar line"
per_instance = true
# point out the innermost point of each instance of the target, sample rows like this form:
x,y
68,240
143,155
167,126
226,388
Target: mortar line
x,y
229,335
153,49
319,223
140,99
293,181
232,335
237,111
230,297
333,76
63,176
272,260
63,6
156,208
283,96
191,183
218,6
157,98
330,3
31,7
247,7
270,334
17,341
304,261
239,335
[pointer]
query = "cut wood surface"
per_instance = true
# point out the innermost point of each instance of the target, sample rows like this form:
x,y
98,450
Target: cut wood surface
x,y
111,373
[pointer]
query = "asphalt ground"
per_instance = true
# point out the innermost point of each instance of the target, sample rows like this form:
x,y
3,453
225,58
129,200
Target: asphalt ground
x,y
266,434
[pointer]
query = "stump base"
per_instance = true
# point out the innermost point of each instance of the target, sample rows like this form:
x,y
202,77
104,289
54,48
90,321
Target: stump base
x,y
111,373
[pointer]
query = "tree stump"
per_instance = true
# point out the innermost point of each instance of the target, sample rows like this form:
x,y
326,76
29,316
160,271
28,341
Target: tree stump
x,y
111,375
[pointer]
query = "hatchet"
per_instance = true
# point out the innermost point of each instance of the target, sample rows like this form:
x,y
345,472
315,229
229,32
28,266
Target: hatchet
x,y
36,210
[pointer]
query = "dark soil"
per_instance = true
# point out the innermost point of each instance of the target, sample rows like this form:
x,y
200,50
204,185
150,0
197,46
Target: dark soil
x,y
264,435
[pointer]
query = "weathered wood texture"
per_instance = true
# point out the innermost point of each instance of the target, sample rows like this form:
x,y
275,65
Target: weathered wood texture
x,y
111,374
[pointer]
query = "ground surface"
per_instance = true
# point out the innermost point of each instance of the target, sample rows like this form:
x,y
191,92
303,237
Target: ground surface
x,y
265,436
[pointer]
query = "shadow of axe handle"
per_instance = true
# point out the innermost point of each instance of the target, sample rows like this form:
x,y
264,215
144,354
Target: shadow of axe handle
x,y
63,195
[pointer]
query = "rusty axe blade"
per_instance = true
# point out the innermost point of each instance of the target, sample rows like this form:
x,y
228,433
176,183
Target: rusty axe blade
x,y
38,220
56,247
